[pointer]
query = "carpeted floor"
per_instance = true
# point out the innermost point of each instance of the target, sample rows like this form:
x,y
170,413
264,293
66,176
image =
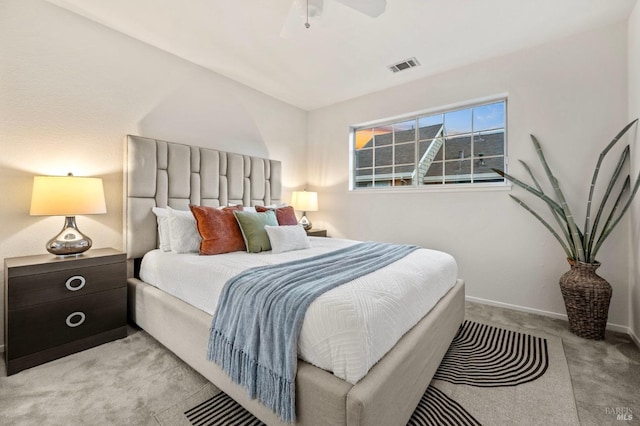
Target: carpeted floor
x,y
111,389
119,383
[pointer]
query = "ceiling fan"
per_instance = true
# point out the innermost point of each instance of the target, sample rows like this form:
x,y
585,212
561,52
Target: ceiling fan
x,y
306,12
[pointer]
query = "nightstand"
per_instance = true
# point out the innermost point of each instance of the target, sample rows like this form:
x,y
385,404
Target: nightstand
x,y
56,306
317,232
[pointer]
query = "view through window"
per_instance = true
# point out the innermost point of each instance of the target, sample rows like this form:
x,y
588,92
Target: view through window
x,y
458,146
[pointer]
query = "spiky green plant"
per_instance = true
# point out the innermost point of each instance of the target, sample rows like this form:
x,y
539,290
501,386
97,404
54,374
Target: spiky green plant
x,y
581,245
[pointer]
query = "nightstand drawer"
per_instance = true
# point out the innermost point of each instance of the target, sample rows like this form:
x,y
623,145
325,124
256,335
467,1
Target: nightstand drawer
x,y
31,290
37,328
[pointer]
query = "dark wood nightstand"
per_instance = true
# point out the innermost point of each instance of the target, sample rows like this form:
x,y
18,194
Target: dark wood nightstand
x,y
56,306
317,232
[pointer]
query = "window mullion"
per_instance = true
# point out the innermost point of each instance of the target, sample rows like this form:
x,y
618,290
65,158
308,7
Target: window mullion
x,y
373,162
393,155
420,178
444,149
472,139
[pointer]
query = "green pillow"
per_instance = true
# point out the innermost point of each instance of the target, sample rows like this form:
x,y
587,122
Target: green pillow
x,y
252,226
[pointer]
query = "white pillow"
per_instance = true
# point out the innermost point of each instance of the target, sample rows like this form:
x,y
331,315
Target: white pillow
x,y
244,208
183,231
287,238
162,216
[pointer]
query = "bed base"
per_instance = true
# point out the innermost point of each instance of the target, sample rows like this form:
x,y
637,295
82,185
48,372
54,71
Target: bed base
x,y
386,396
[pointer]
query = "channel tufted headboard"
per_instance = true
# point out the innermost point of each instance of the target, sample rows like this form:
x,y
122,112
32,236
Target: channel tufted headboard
x,y
160,173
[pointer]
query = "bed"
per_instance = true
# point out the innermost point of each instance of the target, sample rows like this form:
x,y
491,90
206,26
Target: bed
x,y
160,174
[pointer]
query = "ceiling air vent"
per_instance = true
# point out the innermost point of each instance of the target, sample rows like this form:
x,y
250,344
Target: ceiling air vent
x,y
404,65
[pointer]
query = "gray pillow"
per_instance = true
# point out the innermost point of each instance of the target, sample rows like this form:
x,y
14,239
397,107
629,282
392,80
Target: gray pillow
x,y
287,238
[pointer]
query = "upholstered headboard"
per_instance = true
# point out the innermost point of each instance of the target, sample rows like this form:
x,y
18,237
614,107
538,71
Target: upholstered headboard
x,y
164,174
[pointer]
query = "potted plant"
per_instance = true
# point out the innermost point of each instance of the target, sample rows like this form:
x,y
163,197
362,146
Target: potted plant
x,y
586,294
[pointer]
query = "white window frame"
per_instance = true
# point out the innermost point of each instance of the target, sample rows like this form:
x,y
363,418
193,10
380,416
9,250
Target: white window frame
x,y
441,187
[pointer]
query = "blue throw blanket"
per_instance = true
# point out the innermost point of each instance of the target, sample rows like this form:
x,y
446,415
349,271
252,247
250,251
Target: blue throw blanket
x,y
255,329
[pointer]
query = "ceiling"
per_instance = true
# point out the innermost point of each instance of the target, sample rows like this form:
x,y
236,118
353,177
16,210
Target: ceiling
x,y
345,54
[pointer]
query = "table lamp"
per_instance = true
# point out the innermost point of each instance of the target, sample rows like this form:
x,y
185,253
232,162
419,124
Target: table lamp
x,y
67,196
305,202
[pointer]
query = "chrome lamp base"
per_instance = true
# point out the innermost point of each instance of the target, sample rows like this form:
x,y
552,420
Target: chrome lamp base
x,y
305,222
70,241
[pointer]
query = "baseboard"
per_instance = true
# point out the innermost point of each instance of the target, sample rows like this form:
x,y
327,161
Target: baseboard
x,y
610,326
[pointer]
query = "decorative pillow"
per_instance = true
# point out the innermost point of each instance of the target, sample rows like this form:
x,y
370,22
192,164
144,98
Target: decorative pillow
x,y
287,238
162,216
183,232
219,229
284,215
252,227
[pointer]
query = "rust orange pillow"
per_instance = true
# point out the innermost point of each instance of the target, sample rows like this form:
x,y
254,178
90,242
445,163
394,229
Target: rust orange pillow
x,y
219,230
284,215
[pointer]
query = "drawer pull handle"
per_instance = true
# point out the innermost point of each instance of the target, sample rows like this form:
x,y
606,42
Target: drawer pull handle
x,y
71,287
70,322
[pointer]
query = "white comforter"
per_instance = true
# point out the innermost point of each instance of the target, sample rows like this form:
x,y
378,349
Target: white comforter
x,y
347,329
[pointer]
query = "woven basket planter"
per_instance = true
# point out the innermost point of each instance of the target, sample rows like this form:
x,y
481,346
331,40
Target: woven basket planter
x,y
586,297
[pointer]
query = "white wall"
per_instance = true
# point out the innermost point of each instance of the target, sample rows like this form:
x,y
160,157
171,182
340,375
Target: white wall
x,y
70,90
634,112
572,94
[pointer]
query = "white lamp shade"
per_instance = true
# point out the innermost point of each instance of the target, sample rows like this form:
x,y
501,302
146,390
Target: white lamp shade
x,y
304,201
67,196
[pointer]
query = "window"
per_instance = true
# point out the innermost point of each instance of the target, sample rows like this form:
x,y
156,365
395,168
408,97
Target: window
x,y
452,147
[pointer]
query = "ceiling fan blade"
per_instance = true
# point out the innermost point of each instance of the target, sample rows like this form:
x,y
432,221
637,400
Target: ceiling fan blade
x,y
373,8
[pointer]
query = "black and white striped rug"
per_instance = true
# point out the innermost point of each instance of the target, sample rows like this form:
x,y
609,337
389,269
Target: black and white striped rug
x,y
481,359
